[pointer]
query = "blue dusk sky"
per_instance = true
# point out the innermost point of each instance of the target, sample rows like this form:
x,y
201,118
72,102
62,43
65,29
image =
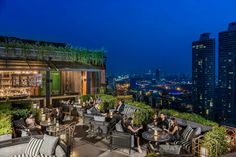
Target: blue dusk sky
x,y
138,35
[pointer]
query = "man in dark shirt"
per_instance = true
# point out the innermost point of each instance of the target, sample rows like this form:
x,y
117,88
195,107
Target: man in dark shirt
x,y
121,106
163,122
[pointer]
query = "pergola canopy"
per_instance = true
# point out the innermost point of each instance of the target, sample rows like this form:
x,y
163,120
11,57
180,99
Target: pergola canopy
x,y
44,65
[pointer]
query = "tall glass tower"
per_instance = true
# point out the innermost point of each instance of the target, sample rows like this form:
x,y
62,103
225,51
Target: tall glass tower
x,y
203,75
227,73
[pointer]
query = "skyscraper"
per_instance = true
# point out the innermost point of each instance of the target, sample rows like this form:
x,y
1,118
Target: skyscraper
x,y
203,75
227,73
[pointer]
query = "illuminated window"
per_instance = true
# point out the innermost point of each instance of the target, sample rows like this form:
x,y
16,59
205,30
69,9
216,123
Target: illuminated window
x,y
211,103
200,97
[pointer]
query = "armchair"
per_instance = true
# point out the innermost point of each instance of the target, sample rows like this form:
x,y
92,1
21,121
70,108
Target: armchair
x,y
121,140
20,128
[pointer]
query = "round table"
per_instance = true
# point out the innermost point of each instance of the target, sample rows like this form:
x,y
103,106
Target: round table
x,y
161,137
44,125
151,126
53,129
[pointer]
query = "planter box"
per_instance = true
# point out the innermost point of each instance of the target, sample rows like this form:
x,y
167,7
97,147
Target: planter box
x,y
183,122
5,137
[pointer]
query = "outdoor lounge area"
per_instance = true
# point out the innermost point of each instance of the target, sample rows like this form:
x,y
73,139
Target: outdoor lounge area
x,y
52,104
96,125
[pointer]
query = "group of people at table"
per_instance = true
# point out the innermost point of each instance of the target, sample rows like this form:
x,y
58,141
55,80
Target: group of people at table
x,y
54,114
167,125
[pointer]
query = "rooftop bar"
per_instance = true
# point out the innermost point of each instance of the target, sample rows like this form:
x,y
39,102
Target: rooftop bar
x,y
52,103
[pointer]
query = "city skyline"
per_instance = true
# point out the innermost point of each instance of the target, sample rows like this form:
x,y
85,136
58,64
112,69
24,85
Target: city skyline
x,y
131,32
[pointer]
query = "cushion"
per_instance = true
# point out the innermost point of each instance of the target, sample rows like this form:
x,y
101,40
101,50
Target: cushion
x,y
49,145
125,110
128,110
119,127
21,155
88,112
43,155
186,145
99,118
187,133
170,149
60,152
197,131
32,149
132,110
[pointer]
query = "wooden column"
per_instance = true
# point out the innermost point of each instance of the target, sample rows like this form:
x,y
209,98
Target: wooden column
x,y
48,88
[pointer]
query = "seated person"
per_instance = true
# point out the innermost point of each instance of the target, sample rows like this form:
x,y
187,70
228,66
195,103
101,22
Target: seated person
x,y
155,120
173,130
94,110
32,125
68,102
74,114
162,122
129,127
121,106
59,115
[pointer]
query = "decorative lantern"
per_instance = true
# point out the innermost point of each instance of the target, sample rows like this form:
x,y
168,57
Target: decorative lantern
x,y
35,106
42,110
57,124
155,133
49,120
111,114
43,117
204,152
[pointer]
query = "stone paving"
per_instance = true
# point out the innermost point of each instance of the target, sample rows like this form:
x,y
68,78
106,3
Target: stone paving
x,y
86,146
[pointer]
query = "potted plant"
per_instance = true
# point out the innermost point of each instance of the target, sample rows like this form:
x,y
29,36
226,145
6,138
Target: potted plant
x,y
214,142
5,127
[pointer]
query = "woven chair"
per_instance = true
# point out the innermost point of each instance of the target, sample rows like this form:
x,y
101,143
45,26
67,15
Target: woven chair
x,y
66,136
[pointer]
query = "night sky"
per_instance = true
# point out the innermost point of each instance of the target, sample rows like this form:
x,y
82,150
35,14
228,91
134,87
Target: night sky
x,y
137,35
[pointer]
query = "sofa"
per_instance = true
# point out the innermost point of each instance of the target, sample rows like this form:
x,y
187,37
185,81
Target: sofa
x,y
129,110
18,147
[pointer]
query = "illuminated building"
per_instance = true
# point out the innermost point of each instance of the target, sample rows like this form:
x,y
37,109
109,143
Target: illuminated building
x,y
46,71
227,73
203,75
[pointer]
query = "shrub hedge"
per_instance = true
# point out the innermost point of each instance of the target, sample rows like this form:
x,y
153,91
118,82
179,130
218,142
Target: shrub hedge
x,y
5,124
189,116
218,135
12,111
